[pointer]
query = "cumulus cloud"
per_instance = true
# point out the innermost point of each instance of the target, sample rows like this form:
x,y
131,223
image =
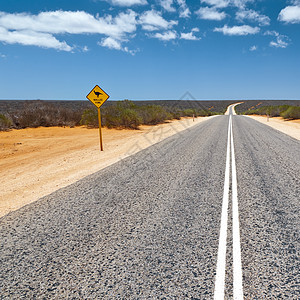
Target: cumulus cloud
x,y
217,3
290,14
210,13
281,41
166,36
241,4
184,11
111,43
225,3
252,15
190,35
127,2
39,30
73,22
237,30
32,38
167,5
152,20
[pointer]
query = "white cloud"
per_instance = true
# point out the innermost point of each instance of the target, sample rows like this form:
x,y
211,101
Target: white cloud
x,y
32,38
2,55
210,13
238,30
152,20
225,3
290,14
127,2
253,48
281,41
39,30
217,3
184,11
189,36
166,36
252,15
111,43
78,22
241,4
167,5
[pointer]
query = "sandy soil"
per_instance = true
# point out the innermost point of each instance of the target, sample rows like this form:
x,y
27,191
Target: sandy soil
x,y
291,128
233,108
37,161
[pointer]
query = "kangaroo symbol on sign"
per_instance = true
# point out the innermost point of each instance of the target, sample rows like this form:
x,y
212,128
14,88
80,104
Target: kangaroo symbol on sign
x,y
97,94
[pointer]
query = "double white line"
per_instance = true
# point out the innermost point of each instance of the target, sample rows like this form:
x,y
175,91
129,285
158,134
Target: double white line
x,y
221,263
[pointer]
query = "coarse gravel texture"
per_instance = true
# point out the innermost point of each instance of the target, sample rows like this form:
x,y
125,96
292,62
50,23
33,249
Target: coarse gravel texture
x,y
268,172
147,227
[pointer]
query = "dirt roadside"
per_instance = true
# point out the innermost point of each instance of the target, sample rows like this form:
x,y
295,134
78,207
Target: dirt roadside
x,y
35,162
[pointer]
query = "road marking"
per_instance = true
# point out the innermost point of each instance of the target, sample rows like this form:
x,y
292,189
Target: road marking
x,y
221,263
221,260
236,244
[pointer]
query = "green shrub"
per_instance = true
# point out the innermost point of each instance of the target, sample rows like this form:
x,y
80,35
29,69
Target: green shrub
x,y
176,115
272,111
121,115
189,112
204,113
5,122
40,113
89,118
153,114
293,112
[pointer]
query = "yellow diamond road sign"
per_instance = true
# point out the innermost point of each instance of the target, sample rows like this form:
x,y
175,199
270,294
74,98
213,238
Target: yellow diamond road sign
x,y
97,96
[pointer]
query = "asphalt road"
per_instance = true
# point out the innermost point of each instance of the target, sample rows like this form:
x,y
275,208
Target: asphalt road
x,y
148,227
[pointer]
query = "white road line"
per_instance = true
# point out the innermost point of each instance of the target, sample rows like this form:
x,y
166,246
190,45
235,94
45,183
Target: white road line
x,y
221,262
236,244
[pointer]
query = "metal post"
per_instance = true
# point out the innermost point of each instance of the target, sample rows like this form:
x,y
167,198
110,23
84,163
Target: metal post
x,y
100,132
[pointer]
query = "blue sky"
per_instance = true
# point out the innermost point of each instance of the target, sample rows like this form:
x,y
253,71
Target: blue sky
x,y
143,49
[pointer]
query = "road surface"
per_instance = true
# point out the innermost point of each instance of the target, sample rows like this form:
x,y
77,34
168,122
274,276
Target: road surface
x,y
209,213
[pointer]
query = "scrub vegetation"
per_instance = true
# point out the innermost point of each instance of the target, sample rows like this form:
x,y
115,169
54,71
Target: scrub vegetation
x,y
128,114
285,111
114,114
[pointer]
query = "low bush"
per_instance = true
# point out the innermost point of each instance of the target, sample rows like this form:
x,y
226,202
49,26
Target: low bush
x,y
188,112
153,114
293,112
285,111
40,113
272,111
89,118
121,114
5,122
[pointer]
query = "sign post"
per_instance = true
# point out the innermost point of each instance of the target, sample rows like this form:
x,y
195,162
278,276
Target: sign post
x,y
97,96
100,131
